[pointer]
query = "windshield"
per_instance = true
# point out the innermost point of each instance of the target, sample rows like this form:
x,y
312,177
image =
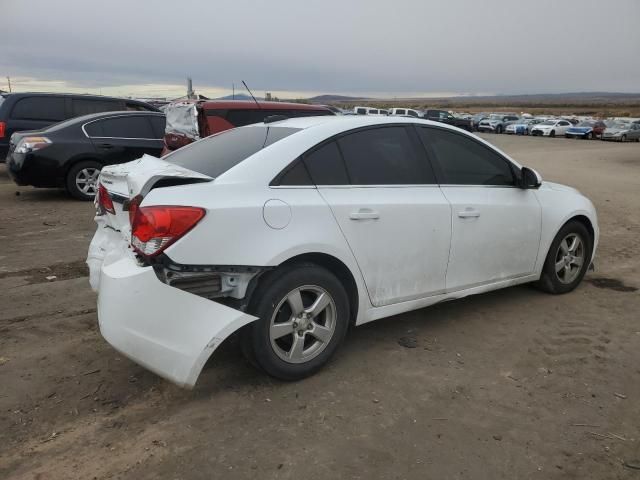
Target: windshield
x,y
548,122
216,154
586,124
620,125
495,117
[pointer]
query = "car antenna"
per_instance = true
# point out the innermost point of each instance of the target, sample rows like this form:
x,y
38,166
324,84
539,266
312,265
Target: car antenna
x,y
254,98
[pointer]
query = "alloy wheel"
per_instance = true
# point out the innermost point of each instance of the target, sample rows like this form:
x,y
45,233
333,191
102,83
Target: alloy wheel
x,y
569,258
303,324
87,180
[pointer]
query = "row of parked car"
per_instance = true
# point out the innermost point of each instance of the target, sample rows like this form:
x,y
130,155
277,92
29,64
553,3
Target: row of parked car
x,y
63,141
612,129
511,123
58,140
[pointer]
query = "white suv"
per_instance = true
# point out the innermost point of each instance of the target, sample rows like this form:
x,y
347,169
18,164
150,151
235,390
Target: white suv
x,y
404,112
292,231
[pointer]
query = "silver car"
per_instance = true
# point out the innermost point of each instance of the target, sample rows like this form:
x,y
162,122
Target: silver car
x,y
622,132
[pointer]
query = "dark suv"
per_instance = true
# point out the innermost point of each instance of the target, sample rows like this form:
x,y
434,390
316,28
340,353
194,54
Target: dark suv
x,y
34,111
445,117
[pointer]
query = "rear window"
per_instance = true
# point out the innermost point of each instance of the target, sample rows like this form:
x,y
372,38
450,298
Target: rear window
x,y
85,106
39,108
216,154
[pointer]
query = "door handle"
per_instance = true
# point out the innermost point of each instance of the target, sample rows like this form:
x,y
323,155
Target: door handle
x,y
105,145
469,213
364,214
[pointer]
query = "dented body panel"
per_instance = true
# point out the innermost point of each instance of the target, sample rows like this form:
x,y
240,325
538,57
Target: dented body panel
x,y
421,249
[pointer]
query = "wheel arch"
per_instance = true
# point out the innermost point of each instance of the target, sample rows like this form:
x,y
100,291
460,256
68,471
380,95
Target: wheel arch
x,y
339,269
69,164
584,220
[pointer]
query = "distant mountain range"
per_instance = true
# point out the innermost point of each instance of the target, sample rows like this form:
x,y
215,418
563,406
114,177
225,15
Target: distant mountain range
x,y
335,98
579,96
237,96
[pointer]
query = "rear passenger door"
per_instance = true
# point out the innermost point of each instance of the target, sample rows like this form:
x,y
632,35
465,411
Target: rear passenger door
x,y
120,139
383,194
495,224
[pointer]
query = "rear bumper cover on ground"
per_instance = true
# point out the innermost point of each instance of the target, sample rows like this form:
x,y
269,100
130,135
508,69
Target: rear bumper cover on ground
x,y
168,331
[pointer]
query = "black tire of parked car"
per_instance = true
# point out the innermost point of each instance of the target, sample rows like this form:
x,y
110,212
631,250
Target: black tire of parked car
x,y
588,136
270,293
549,281
499,129
70,182
623,138
552,134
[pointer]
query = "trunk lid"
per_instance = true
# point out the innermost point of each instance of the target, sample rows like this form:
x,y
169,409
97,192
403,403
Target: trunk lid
x,y
137,178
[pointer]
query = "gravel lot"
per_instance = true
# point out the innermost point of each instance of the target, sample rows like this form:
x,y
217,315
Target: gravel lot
x,y
511,384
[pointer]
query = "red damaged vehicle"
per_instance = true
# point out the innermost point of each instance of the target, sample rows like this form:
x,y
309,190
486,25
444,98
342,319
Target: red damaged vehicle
x,y
191,120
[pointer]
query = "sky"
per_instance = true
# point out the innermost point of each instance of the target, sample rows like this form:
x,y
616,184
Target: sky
x,y
300,48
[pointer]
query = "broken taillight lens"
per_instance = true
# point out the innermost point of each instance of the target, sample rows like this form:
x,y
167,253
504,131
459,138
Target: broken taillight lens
x,y
154,228
104,200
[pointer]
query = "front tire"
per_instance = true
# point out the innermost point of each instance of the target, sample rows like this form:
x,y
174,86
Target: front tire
x,y
82,179
567,260
623,138
499,129
552,134
303,313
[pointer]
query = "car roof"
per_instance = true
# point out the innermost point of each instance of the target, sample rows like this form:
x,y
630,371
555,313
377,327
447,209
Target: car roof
x,y
57,94
248,104
263,165
349,122
97,116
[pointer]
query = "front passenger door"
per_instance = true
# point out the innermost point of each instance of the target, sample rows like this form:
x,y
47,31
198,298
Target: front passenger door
x,y
495,224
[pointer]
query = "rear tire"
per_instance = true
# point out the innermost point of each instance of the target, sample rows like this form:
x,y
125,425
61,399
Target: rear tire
x,y
291,341
82,179
552,134
499,129
566,262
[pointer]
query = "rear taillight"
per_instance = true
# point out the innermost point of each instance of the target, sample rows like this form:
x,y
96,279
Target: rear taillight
x,y
104,200
154,228
3,129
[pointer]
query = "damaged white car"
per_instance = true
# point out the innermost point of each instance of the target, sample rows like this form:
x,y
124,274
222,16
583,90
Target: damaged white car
x,y
290,232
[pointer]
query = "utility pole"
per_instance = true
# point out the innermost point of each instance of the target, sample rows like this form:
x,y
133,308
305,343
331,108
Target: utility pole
x,y
233,90
190,92
9,81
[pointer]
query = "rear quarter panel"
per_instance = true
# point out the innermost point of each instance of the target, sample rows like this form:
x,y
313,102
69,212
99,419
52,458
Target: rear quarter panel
x,y
234,230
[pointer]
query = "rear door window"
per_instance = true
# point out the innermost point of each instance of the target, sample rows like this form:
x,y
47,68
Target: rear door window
x,y
137,127
216,154
464,161
158,124
325,165
85,106
39,108
384,156
240,118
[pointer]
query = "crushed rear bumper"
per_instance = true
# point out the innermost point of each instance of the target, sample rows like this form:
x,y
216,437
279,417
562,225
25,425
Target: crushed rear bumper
x,y
166,330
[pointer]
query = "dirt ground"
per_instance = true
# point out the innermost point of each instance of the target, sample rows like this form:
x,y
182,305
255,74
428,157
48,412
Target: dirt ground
x,y
514,384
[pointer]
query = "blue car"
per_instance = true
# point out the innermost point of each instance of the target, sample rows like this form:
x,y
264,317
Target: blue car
x,y
587,130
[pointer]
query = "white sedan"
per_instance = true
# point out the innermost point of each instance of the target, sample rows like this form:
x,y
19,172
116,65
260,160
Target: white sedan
x,y
290,232
551,128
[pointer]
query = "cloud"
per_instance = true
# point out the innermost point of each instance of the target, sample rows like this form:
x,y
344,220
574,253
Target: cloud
x,y
327,46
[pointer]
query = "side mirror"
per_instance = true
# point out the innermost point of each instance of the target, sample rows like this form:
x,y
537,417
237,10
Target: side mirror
x,y
530,178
